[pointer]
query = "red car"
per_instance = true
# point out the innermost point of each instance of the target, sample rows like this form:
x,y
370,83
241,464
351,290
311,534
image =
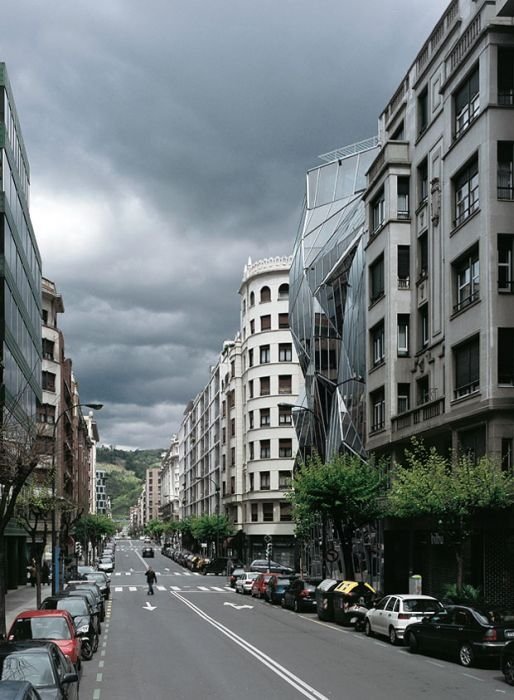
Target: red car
x,y
54,625
259,585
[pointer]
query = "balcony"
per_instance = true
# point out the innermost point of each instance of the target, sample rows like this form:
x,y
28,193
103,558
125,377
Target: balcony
x,y
393,153
429,410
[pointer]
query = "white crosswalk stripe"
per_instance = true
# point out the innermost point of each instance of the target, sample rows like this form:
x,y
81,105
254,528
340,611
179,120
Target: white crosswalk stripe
x,y
132,588
216,588
161,588
175,588
203,588
190,588
118,589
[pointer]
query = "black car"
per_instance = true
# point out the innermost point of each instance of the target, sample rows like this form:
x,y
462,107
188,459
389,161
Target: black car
x,y
301,595
41,663
148,552
95,598
101,580
273,567
18,690
468,633
221,565
508,662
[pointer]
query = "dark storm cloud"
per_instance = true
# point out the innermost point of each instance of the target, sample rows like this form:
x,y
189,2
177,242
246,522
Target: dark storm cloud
x,y
168,142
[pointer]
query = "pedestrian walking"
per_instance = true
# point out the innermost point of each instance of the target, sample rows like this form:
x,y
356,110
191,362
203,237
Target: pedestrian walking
x,y
31,568
151,578
45,574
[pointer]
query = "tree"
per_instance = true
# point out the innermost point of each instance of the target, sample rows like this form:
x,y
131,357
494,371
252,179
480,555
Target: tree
x,y
452,491
211,528
154,528
345,490
20,451
91,528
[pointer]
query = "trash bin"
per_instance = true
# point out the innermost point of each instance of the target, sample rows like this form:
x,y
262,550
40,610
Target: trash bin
x,y
415,584
348,597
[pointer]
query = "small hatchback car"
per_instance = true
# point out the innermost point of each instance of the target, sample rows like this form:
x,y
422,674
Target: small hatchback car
x,y
394,613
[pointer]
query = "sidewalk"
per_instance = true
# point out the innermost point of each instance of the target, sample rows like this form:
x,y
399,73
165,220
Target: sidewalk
x,y
23,598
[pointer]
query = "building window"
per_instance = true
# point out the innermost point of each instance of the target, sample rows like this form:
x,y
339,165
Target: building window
x,y
223,462
283,320
423,181
377,409
467,103
252,327
255,512
250,482
232,427
46,413
223,436
265,386
378,212
423,390
48,349
250,419
377,344
265,323
505,77
472,443
264,478
467,280
403,398
399,133
265,295
285,447
284,479
403,334
467,367
252,450
285,416
232,485
252,299
403,260
265,449
402,186
264,354
285,383
376,277
264,417
505,155
250,358
250,388
267,512
506,454
286,512
423,255
283,291
506,356
285,352
466,192
424,330
505,262
48,381
422,111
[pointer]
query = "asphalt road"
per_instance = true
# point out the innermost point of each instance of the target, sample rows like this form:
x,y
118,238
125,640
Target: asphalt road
x,y
195,638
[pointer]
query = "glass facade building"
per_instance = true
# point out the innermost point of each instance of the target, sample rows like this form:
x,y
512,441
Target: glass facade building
x,y
327,303
21,270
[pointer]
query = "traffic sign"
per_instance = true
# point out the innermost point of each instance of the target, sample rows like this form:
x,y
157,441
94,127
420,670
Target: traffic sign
x,y
267,538
332,555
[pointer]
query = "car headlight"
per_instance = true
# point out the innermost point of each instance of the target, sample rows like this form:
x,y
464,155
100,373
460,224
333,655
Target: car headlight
x,y
84,629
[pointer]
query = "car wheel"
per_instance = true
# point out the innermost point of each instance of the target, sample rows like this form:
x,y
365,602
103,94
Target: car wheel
x,y
367,629
413,643
94,646
99,628
466,654
296,607
393,637
508,671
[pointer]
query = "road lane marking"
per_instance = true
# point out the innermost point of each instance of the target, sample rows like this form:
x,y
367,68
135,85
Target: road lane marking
x,y
161,588
101,664
96,694
475,678
132,588
216,588
433,663
289,677
118,589
202,588
175,588
99,677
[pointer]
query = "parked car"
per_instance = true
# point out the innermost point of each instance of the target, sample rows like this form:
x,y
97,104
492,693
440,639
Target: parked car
x,y
55,625
394,613
96,598
301,595
84,570
466,633
106,564
507,662
18,690
101,580
261,565
245,581
325,598
236,573
219,565
259,585
148,552
41,663
275,588
81,612
351,601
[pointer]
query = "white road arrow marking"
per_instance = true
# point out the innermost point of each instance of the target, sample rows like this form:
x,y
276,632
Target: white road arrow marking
x,y
148,606
166,568
238,607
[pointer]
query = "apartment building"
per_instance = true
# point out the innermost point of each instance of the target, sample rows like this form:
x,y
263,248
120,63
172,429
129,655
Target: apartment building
x,y
169,508
152,494
103,504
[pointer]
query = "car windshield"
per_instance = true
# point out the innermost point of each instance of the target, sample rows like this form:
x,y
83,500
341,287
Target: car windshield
x,y
74,605
98,578
40,628
35,668
283,582
421,605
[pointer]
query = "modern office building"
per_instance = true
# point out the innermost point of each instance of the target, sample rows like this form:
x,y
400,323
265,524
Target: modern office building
x,y
20,278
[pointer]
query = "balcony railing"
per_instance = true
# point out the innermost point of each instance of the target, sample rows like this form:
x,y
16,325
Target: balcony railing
x,y
432,408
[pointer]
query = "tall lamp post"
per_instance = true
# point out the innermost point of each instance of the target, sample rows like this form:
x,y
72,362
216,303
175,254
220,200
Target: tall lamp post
x,y
55,553
218,499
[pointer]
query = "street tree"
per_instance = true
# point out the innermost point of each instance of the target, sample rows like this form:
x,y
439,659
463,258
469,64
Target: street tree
x,y
20,452
154,528
453,491
92,528
211,528
344,490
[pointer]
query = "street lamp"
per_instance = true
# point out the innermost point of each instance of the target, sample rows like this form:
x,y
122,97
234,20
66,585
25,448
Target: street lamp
x,y
217,491
55,553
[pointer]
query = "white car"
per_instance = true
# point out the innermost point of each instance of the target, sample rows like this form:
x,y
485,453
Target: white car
x,y
394,613
245,582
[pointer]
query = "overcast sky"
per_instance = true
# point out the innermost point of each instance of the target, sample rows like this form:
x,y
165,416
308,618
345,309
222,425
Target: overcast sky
x,y
168,141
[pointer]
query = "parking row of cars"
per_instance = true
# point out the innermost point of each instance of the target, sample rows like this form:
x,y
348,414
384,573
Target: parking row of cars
x,y
42,656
